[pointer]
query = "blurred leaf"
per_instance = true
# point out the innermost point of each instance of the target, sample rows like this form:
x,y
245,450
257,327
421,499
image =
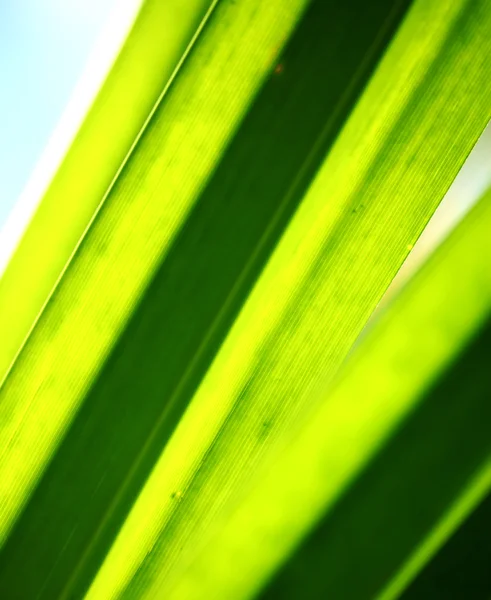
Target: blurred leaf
x,y
461,567
400,452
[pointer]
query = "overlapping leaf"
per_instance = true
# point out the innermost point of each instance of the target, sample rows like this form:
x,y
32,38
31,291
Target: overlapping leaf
x,y
221,284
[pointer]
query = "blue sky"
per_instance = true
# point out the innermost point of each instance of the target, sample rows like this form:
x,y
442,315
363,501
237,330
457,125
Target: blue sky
x,y
44,45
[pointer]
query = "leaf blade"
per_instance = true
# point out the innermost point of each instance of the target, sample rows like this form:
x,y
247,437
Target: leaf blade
x,y
235,365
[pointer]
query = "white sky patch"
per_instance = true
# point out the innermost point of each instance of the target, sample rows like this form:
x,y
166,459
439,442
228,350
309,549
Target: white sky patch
x,y
99,63
473,180
67,13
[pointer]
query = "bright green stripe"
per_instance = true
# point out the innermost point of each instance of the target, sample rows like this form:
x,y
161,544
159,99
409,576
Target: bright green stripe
x,y
194,296
131,232
392,164
401,356
477,489
144,65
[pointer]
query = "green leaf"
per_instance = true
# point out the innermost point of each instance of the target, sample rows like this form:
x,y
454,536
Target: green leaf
x,y
131,231
245,240
399,453
309,304
461,566
64,205
192,320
